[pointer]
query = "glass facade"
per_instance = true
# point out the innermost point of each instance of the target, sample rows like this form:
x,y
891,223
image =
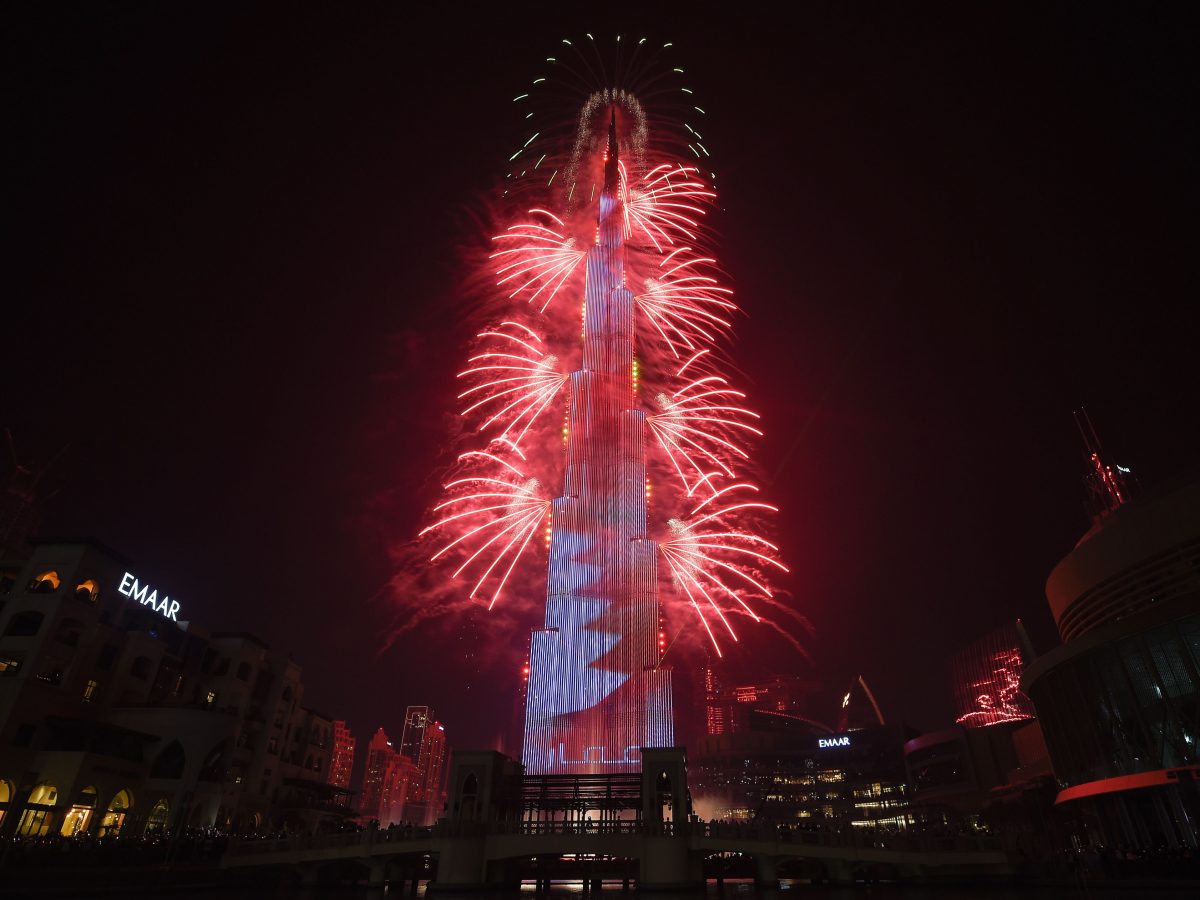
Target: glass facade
x,y
1129,706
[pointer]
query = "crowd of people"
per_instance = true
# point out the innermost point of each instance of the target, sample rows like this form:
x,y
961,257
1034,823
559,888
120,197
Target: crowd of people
x,y
193,846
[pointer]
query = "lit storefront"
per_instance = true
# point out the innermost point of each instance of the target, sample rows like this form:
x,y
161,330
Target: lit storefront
x,y
806,777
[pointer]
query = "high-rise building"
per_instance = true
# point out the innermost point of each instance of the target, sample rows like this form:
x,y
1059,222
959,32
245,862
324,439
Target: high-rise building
x,y
424,743
987,680
417,720
727,709
341,764
376,779
597,692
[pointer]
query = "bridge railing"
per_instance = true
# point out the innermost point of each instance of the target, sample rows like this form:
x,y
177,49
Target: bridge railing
x,y
366,837
853,838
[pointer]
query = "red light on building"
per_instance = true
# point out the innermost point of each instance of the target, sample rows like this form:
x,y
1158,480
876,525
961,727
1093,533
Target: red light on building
x,y
987,680
341,766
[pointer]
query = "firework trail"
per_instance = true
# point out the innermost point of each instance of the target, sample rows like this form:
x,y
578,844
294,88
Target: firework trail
x,y
495,520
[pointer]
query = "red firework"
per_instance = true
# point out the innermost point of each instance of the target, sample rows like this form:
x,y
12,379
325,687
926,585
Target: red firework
x,y
710,525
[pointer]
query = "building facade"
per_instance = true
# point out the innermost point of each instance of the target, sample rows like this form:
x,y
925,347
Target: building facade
x,y
341,762
119,715
1119,700
796,772
597,693
389,784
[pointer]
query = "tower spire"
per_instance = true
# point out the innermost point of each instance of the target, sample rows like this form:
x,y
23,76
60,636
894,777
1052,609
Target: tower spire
x,y
611,158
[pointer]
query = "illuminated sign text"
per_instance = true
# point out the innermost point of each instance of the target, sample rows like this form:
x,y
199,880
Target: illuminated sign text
x,y
143,594
843,741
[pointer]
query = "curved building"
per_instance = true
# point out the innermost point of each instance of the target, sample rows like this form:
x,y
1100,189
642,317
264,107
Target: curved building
x,y
1119,701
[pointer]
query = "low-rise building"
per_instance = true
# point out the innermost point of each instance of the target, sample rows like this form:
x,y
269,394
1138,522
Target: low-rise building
x,y
118,714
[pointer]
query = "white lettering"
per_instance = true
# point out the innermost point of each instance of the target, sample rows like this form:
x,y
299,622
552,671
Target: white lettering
x,y
148,596
843,741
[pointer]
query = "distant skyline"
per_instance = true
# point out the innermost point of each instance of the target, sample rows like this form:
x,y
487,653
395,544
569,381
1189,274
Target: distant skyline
x,y
240,239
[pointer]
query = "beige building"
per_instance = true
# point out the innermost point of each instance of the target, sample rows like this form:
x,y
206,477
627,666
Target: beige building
x,y
119,715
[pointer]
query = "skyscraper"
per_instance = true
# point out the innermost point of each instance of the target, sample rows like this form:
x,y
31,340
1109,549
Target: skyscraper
x,y
379,759
424,744
341,764
416,721
596,691
987,680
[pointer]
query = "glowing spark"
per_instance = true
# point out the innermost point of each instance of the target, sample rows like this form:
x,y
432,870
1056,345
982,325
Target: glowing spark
x,y
718,564
490,518
687,308
512,381
536,257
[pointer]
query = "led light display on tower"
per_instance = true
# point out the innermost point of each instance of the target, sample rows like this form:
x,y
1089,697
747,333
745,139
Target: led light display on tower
x,y
987,680
601,371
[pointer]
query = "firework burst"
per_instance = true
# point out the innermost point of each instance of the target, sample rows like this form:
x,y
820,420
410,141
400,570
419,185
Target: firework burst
x,y
664,283
512,381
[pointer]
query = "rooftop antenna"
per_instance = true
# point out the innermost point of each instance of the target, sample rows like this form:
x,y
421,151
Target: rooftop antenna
x,y
1106,483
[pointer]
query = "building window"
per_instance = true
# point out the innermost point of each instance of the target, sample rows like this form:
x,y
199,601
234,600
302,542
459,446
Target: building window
x,y
114,817
52,674
6,792
24,624
243,672
77,817
45,583
87,591
140,668
89,691
210,699
69,632
157,822
9,665
35,821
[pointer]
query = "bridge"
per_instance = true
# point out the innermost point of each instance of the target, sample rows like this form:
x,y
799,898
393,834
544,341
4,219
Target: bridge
x,y
503,828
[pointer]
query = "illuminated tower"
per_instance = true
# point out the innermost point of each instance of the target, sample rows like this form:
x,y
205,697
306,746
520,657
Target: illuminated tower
x,y
596,692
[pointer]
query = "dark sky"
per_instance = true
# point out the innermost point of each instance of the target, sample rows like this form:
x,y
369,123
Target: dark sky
x,y
236,237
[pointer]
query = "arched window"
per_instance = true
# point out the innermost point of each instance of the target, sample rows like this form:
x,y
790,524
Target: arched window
x,y
45,583
24,624
6,792
69,632
114,816
140,668
35,821
158,817
169,762
469,795
308,762
87,591
243,671
80,814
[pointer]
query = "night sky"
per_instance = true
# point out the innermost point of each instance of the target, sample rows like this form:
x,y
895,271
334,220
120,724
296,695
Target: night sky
x,y
236,241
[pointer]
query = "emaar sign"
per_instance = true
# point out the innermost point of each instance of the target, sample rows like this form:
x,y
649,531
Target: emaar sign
x,y
143,594
840,741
